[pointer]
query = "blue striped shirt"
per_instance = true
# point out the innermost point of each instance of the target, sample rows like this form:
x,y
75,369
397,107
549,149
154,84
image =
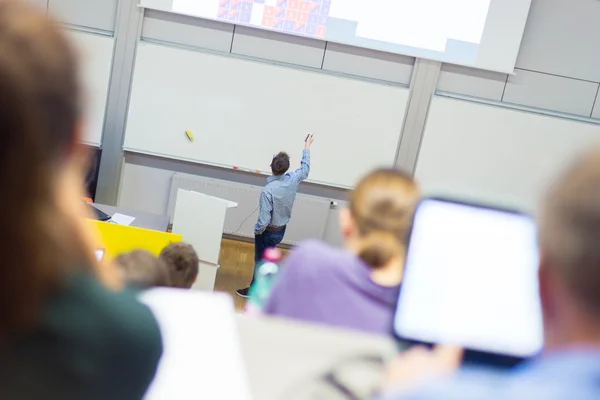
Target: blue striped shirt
x,y
278,195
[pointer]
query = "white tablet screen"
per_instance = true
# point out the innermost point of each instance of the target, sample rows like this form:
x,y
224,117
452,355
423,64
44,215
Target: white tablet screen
x,y
471,280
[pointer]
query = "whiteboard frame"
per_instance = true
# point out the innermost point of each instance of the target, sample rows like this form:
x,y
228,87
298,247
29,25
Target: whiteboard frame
x,y
503,107
518,107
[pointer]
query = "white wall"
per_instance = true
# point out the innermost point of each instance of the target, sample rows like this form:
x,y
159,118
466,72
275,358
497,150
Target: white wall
x,y
558,67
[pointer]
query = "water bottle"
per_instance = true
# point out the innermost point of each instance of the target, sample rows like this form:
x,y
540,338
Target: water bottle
x,y
266,274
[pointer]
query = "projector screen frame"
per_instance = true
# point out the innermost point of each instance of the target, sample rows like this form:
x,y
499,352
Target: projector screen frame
x,y
433,57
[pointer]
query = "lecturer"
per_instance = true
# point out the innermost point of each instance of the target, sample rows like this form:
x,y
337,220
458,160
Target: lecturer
x,y
276,202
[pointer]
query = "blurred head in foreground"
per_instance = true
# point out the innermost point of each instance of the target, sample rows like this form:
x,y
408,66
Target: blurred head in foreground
x,y
182,263
143,269
377,223
41,164
569,240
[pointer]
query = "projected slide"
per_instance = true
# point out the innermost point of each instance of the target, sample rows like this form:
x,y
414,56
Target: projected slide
x,y
479,33
442,26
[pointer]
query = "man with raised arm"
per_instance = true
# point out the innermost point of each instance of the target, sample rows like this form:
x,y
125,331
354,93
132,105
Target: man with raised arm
x,y
276,203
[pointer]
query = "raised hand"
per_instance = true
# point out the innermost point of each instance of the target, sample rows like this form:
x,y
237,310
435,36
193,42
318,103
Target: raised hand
x,y
308,141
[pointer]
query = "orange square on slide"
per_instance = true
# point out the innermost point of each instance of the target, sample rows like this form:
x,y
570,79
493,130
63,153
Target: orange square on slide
x,y
321,31
267,21
290,14
270,11
305,6
301,17
295,4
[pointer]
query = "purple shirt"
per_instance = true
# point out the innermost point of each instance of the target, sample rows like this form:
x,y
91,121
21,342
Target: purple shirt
x,y
323,284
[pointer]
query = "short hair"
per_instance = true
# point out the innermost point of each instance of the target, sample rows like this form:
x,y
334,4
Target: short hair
x,y
182,263
142,268
280,164
569,229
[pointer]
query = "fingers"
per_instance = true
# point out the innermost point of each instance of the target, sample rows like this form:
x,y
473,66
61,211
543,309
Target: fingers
x,y
448,356
420,364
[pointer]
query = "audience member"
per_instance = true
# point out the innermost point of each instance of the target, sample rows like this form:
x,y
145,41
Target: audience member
x,y
64,334
143,269
182,263
356,287
569,289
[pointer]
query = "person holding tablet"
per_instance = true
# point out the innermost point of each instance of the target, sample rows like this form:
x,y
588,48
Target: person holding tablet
x,y
66,331
569,293
356,287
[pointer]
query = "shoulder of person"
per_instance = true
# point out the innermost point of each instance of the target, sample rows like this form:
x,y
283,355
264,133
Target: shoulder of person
x,y
114,327
469,384
314,254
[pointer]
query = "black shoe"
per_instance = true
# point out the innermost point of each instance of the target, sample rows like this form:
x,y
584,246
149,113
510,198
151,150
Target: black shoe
x,y
243,292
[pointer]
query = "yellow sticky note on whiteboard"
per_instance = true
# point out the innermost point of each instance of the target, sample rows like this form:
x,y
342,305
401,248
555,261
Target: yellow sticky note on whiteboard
x,y
189,135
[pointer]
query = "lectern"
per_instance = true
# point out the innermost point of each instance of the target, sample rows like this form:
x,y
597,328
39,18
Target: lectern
x,y
199,219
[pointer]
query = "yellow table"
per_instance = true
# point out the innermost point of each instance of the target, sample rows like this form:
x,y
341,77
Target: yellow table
x,y
120,238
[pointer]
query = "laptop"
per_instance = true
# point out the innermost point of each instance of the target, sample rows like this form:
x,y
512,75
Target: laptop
x,y
470,279
98,214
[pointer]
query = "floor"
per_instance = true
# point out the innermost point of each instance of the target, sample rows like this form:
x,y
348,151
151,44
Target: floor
x,y
237,264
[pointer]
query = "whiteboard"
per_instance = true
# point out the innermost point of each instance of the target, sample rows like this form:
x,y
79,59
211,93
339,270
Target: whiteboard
x,y
494,154
95,55
243,112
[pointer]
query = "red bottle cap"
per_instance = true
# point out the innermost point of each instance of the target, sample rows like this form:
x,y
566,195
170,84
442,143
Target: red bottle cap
x,y
272,255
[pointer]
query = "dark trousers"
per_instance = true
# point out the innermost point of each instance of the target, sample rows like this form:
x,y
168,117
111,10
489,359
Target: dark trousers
x,y
265,240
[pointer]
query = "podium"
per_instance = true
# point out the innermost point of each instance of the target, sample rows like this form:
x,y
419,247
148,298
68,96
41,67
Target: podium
x,y
199,219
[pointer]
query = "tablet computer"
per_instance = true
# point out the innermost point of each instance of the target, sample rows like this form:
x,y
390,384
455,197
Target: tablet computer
x,y
470,279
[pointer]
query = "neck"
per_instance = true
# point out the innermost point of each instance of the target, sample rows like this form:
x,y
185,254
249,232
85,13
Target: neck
x,y
577,329
389,274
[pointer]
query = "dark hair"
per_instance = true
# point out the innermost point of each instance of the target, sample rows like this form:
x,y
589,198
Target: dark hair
x,y
182,263
281,164
142,268
39,112
382,207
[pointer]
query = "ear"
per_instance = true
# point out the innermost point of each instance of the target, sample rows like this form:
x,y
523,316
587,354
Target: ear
x,y
546,290
346,223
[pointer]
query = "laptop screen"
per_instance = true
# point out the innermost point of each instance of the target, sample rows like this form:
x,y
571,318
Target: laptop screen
x,y
471,280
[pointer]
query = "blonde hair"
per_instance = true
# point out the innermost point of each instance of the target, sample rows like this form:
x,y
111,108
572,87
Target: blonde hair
x,y
182,263
142,268
382,207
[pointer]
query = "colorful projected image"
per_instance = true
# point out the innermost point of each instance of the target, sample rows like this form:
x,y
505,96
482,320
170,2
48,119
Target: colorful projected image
x,y
304,17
